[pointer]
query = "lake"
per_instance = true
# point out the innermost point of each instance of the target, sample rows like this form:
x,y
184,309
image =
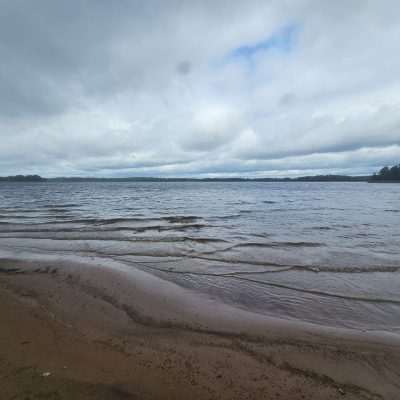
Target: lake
x,y
325,253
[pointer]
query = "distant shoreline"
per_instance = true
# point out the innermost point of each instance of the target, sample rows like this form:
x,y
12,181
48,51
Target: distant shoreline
x,y
382,181
317,178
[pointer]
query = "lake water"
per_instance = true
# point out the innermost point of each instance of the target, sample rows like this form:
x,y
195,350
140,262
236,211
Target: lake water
x,y
327,253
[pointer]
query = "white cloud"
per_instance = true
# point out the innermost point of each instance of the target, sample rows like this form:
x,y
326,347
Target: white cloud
x,y
212,126
149,88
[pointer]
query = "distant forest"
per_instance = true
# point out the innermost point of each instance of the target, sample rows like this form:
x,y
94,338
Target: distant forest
x,y
386,174
22,178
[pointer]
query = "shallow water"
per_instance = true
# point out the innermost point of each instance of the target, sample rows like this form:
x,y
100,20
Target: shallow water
x,y
326,253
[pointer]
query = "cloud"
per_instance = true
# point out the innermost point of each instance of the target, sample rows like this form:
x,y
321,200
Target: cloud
x,y
184,67
186,88
212,127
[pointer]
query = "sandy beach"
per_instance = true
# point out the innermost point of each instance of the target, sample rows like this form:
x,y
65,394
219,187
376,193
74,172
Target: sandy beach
x,y
86,331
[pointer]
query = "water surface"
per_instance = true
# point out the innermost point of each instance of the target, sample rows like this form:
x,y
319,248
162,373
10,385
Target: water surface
x,y
326,253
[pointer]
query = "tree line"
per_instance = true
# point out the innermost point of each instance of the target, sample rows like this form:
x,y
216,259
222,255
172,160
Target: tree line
x,y
387,174
22,178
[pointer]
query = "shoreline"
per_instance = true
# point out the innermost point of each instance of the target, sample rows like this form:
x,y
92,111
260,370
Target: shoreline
x,y
112,304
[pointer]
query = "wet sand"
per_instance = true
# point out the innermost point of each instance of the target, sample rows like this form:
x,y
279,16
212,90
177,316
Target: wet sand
x,y
103,332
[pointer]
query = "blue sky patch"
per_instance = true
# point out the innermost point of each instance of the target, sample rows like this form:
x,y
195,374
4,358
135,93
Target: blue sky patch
x,y
283,40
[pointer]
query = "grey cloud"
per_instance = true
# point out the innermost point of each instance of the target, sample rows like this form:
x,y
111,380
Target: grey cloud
x,y
133,87
287,99
322,135
184,67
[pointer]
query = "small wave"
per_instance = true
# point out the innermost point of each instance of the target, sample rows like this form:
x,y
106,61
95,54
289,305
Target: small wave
x,y
205,240
17,210
110,221
58,210
67,205
161,228
269,202
40,230
138,219
355,270
107,221
20,228
320,292
67,219
227,217
173,239
278,244
17,217
261,235
181,219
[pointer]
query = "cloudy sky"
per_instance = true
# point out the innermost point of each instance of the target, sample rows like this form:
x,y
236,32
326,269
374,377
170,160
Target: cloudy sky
x,y
199,88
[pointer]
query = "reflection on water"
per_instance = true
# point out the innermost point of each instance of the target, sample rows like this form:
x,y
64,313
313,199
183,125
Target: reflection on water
x,y
322,252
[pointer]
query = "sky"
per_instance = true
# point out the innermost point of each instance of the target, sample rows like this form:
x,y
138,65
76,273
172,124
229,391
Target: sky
x,y
199,88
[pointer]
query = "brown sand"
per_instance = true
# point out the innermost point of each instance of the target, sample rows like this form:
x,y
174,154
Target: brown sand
x,y
107,334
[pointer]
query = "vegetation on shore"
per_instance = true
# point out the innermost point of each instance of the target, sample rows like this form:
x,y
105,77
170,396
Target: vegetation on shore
x,y
22,178
387,174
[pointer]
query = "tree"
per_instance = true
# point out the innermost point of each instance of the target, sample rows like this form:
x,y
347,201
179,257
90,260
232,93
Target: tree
x,y
388,174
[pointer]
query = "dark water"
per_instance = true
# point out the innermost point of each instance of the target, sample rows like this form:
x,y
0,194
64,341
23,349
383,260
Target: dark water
x,y
327,253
